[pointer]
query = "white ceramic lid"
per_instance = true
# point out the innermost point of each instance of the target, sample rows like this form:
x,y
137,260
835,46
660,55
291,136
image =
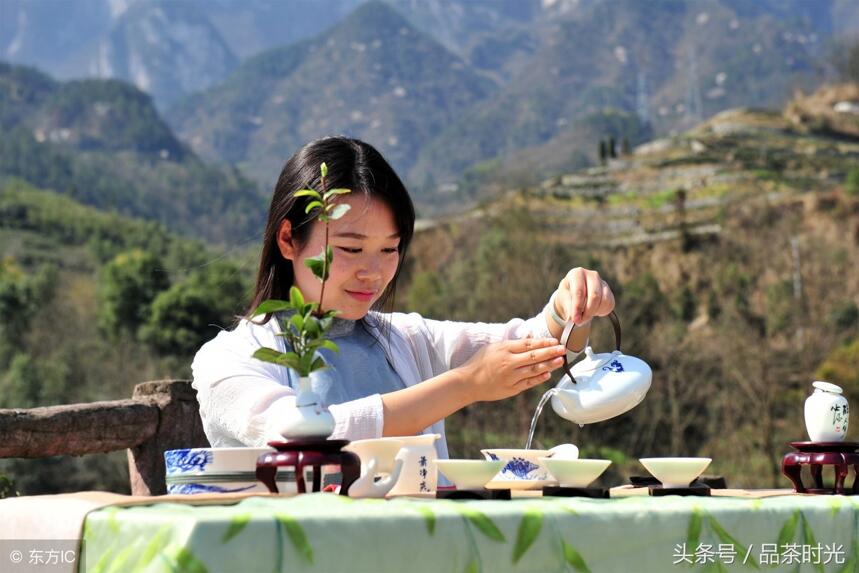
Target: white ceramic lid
x,y
827,387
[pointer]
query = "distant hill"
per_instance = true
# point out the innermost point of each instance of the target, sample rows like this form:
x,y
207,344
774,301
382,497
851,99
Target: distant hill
x,y
373,76
103,143
672,63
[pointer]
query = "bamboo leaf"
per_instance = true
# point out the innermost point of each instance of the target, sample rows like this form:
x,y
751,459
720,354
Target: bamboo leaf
x,y
693,532
529,529
271,306
483,524
154,547
238,523
429,517
339,210
308,193
313,205
726,537
297,535
473,567
187,562
809,540
318,364
574,558
788,530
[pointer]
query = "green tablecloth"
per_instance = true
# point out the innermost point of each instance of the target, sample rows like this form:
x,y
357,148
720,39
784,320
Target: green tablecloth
x,y
328,533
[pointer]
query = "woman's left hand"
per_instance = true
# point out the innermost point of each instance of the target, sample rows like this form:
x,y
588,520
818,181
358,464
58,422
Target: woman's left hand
x,y
582,295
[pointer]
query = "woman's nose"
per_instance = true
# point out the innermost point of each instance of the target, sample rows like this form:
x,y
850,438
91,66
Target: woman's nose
x,y
370,269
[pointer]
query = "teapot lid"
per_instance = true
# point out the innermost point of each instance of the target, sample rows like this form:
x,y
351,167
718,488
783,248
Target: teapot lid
x,y
827,387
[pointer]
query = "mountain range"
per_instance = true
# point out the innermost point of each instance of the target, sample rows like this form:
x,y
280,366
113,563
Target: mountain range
x,y
457,94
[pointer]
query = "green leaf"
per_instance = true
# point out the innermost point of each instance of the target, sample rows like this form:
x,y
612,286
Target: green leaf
x,y
323,169
331,192
187,562
238,523
268,355
329,345
313,205
308,193
693,533
297,321
483,524
726,537
295,296
318,364
529,529
429,517
574,558
788,530
808,539
339,210
473,566
271,306
296,534
316,265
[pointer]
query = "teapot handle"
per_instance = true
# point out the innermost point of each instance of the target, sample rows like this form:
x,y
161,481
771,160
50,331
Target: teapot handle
x,y
570,326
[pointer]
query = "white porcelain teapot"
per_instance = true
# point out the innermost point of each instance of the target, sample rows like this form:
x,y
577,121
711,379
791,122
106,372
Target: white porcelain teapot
x,y
600,386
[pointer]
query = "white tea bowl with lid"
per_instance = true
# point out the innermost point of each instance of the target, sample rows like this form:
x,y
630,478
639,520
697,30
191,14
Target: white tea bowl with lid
x,y
826,413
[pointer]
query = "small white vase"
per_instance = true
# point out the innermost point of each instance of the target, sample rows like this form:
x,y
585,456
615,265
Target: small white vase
x,y
379,470
419,474
826,413
310,418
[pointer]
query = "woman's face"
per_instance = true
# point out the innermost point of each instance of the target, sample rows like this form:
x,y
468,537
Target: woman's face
x,y
365,242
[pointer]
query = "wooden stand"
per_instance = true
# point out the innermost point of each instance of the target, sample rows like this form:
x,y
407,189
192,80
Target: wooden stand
x,y
840,455
472,494
561,491
313,453
658,490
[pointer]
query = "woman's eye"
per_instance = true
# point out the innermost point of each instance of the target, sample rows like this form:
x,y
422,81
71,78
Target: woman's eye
x,y
349,250
394,250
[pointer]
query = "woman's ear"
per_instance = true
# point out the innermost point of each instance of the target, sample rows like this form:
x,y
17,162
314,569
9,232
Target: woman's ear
x,y
284,240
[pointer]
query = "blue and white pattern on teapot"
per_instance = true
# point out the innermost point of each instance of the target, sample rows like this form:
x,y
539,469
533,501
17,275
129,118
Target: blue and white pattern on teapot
x,y
615,366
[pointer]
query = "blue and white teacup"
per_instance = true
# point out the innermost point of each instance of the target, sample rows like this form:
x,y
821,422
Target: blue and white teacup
x,y
519,465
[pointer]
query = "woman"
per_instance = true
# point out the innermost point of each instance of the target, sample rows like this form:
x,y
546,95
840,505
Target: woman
x,y
395,374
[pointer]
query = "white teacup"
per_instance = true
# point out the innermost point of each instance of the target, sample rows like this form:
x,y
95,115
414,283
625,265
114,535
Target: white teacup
x,y
575,472
519,464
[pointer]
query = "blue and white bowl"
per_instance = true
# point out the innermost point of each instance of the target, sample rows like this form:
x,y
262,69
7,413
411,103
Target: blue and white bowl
x,y
219,470
519,465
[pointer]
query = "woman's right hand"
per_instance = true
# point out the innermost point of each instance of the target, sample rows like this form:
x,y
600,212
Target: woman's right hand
x,y
503,369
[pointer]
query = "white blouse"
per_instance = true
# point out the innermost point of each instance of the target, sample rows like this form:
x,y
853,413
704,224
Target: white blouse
x,y
242,398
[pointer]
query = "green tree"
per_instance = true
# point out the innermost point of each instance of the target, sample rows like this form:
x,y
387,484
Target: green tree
x,y
182,316
20,295
128,285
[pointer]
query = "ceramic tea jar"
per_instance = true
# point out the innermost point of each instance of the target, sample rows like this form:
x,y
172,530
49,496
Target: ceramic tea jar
x,y
419,474
826,413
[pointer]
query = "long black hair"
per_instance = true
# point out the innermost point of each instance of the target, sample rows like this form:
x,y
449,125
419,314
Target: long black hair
x,y
352,164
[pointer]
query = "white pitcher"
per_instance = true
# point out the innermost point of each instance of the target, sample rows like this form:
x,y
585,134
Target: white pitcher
x,y
418,475
826,413
600,386
379,469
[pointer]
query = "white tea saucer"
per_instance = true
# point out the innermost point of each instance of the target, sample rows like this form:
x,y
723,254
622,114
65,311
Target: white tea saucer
x,y
520,483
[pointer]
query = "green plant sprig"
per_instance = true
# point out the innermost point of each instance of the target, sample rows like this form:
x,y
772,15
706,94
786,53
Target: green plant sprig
x,y
307,328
